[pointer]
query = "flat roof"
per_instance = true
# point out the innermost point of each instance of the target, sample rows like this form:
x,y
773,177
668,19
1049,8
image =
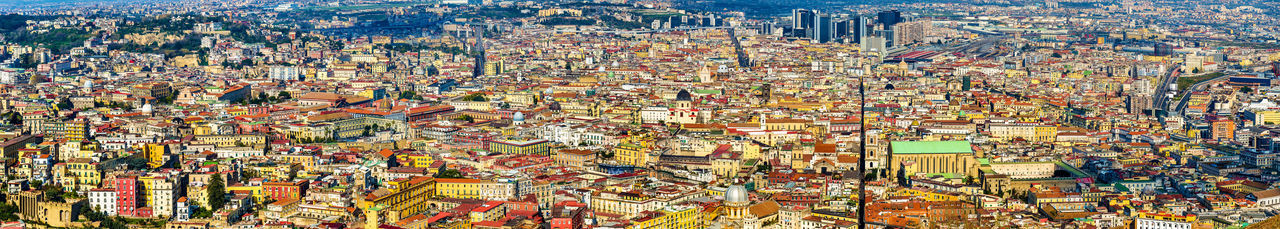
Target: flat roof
x,y
930,147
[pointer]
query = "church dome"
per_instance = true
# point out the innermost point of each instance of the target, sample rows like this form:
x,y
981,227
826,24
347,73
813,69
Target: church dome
x,y
684,96
736,193
518,117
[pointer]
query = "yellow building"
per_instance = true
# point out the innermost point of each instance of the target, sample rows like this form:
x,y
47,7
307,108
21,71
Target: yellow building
x,y
634,149
956,157
156,190
521,146
421,160
77,149
237,111
474,189
1025,131
627,205
278,171
786,124
201,129
928,195
1046,133
400,199
33,207
1263,117
355,127
575,158
72,130
254,191
1147,219
232,140
155,154
631,154
85,173
312,132
307,162
673,217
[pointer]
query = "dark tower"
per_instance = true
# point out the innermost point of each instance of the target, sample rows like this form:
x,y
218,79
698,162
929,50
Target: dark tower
x,y
889,18
859,29
802,21
1162,49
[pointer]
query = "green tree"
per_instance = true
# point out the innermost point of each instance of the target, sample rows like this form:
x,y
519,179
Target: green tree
x,y
262,97
408,94
202,212
764,167
114,223
54,193
93,215
203,57
284,95
466,118
478,97
217,191
64,104
450,173
14,118
432,71
27,60
335,45
8,212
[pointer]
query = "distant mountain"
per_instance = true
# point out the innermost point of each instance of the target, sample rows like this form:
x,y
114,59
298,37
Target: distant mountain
x,y
11,4
768,8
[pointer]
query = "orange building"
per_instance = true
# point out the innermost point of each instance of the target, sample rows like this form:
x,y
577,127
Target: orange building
x,y
285,190
1224,128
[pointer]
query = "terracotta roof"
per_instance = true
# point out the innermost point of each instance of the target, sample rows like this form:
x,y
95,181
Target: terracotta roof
x,y
1267,193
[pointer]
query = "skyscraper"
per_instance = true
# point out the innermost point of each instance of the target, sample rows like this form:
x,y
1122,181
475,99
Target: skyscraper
x,y
888,37
842,28
822,29
889,18
802,18
858,28
910,32
766,28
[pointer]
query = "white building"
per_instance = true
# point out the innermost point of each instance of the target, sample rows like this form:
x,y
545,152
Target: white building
x,y
654,114
562,132
1150,223
104,200
117,142
182,210
162,200
283,73
1267,198
12,76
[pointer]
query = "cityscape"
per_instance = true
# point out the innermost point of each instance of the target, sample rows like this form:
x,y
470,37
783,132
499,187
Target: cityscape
x,y
640,114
